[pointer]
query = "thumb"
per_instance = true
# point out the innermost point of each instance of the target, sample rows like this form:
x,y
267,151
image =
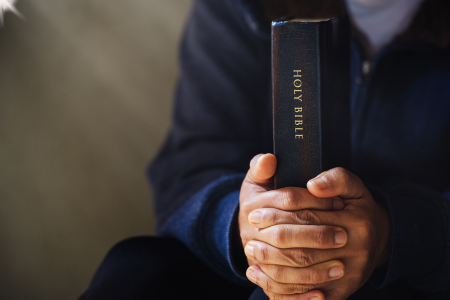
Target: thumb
x,y
337,182
262,169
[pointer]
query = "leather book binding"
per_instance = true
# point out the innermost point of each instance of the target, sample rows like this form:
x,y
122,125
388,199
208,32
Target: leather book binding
x,y
311,98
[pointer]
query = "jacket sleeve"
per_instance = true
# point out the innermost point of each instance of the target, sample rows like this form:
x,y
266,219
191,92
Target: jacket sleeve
x,y
420,239
221,120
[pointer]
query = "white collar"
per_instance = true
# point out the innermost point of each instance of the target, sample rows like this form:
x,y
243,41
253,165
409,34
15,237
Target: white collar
x,y
382,20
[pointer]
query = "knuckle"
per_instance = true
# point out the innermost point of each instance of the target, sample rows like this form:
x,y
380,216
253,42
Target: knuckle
x,y
366,228
277,273
277,288
289,199
313,276
341,172
304,288
264,254
307,217
319,236
276,216
288,289
245,206
268,286
342,176
303,258
279,236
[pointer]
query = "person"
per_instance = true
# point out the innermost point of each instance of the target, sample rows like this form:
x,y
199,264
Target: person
x,y
378,231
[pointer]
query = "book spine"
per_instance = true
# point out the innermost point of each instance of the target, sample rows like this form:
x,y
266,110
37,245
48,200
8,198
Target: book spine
x,y
303,137
335,93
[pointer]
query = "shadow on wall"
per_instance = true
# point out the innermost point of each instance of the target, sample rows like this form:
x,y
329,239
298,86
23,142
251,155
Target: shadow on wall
x,y
85,94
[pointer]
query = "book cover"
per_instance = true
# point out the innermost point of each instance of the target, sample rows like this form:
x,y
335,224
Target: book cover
x,y
311,98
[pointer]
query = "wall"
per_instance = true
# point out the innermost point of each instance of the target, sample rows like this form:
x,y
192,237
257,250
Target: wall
x,y
85,95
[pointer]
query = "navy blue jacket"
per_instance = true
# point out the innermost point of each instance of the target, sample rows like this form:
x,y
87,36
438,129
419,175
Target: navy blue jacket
x,y
222,118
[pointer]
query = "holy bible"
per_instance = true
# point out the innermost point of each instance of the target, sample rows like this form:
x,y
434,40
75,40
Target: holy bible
x,y
311,98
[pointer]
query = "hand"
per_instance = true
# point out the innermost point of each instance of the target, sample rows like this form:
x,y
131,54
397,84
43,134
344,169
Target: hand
x,y
281,259
257,193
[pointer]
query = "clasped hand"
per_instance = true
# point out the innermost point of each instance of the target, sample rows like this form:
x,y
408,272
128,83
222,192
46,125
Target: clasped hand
x,y
318,243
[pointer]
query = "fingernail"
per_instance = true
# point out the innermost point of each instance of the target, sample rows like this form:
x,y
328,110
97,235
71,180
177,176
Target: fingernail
x,y
255,216
338,205
321,183
249,251
339,237
336,271
315,298
251,274
256,158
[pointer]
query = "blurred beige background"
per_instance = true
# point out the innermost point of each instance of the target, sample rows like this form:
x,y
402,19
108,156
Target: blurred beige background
x,y
85,95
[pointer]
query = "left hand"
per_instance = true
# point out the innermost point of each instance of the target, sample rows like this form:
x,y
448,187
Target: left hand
x,y
283,268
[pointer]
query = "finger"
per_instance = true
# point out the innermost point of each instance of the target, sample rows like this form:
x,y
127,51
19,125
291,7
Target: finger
x,y
311,295
295,198
303,236
337,182
262,169
319,273
257,276
266,217
263,253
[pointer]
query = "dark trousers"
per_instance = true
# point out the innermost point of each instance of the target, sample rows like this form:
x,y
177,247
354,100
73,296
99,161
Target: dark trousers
x,y
164,269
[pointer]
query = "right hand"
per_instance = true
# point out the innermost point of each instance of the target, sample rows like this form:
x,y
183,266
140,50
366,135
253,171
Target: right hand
x,y
257,191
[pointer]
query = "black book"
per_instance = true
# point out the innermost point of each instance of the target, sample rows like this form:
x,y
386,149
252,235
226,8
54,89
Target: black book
x,y
311,98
